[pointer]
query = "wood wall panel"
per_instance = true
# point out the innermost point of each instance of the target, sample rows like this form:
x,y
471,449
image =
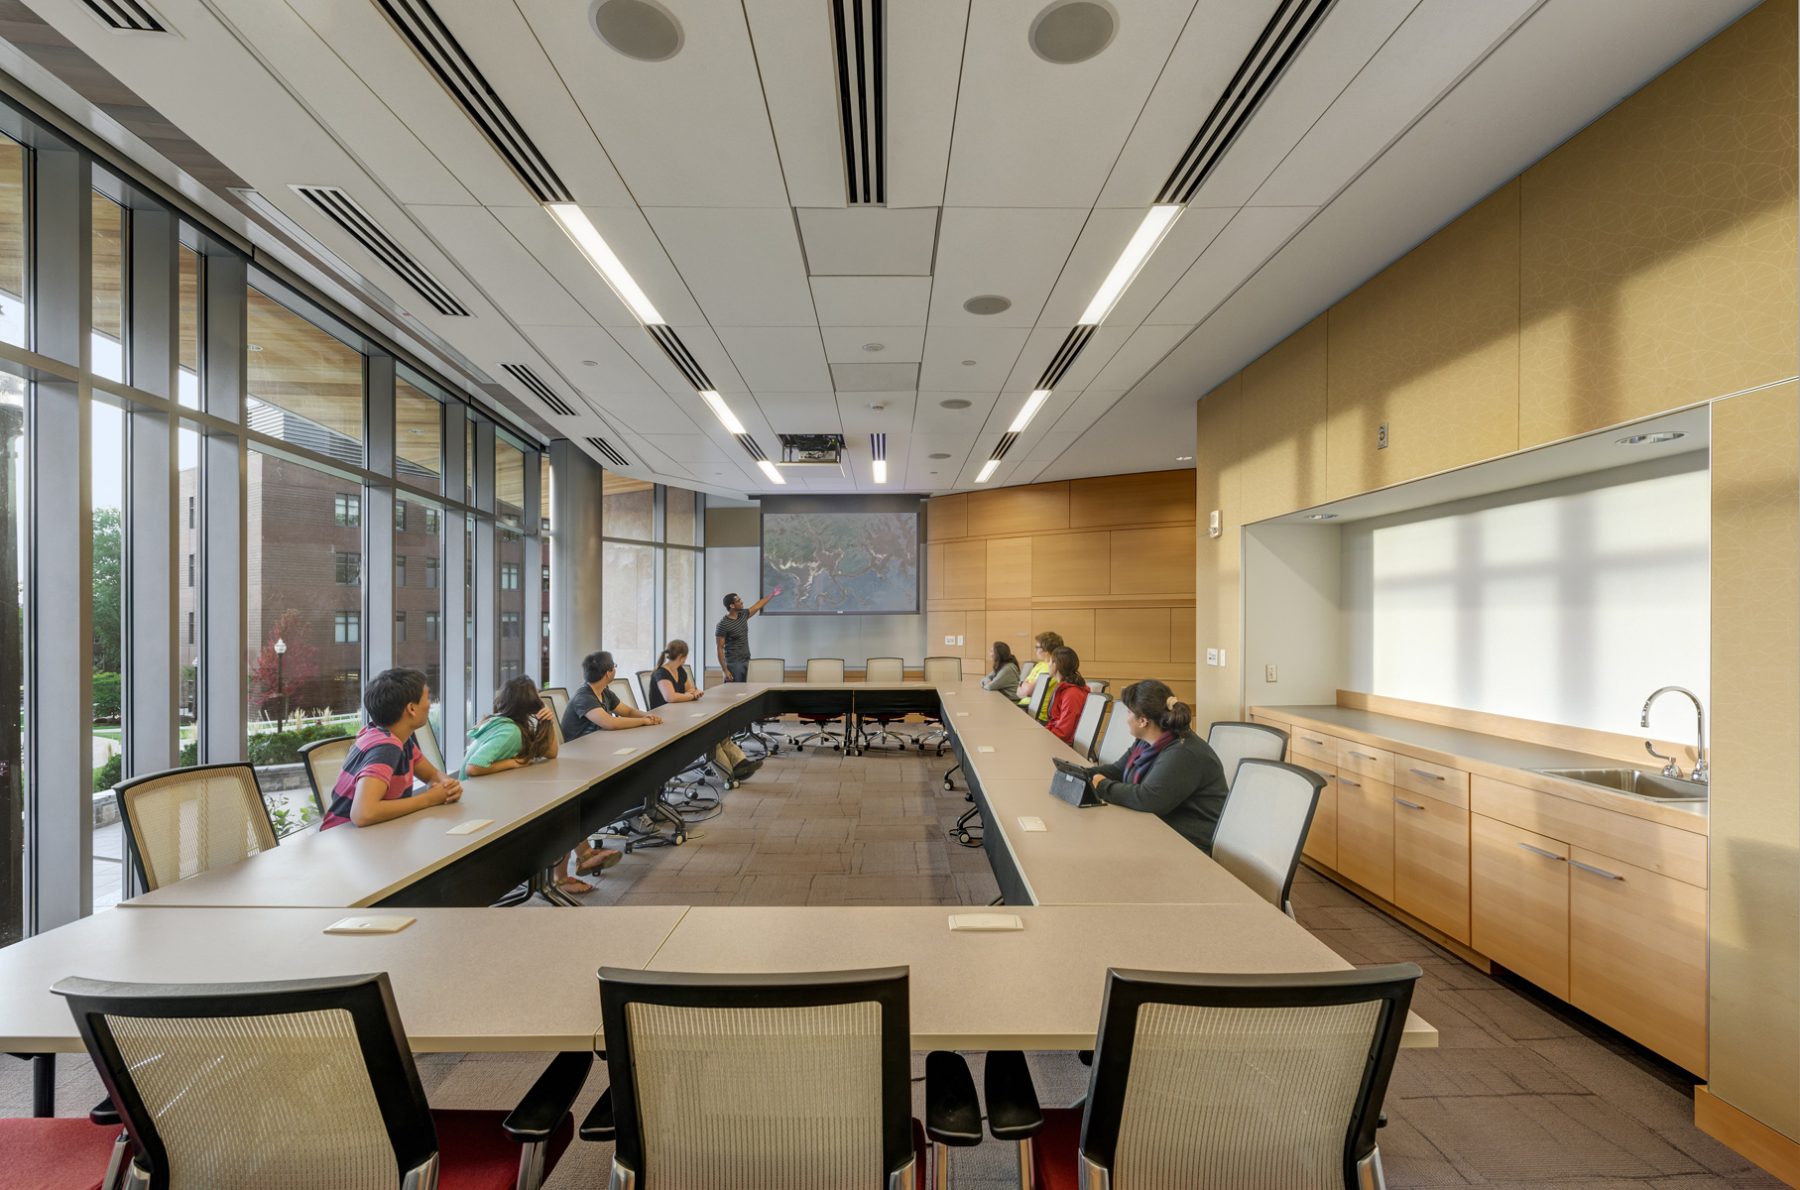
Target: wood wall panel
x,y
1283,427
938,625
965,570
1692,293
1218,690
1156,561
1013,627
1156,497
1071,564
1075,624
947,517
934,572
1009,568
1035,508
1132,633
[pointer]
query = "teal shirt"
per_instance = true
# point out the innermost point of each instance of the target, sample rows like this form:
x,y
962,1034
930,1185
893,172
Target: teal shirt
x,y
496,739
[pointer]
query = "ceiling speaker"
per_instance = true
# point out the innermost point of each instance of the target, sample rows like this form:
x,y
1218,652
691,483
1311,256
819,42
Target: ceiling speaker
x,y
1071,31
640,29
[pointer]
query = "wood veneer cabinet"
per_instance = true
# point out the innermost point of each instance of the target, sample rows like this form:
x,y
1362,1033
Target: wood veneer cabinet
x,y
1365,832
1519,901
1431,861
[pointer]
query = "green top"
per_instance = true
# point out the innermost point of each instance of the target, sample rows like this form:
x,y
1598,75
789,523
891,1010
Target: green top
x,y
497,738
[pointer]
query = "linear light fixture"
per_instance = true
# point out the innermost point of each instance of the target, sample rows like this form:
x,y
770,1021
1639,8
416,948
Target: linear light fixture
x,y
987,470
769,469
1157,221
579,228
722,411
1029,410
880,467
878,451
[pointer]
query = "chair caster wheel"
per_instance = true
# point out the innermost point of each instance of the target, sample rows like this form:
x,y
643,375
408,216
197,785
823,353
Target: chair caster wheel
x,y
948,784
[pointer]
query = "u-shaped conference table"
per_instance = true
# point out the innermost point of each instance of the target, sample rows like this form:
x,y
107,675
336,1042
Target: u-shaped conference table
x,y
1093,888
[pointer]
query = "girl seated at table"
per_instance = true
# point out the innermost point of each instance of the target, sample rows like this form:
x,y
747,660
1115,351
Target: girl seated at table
x,y
669,682
1003,670
1068,696
1169,772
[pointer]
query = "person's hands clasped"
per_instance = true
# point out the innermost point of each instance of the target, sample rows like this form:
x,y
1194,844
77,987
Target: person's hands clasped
x,y
443,793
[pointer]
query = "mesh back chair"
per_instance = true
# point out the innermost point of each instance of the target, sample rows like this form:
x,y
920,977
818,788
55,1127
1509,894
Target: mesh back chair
x,y
182,822
428,745
1238,742
798,1081
1117,739
885,671
324,760
557,697
1087,727
68,1151
1097,686
555,721
765,669
643,685
940,671
1219,1081
1264,824
217,1084
829,671
1039,693
622,688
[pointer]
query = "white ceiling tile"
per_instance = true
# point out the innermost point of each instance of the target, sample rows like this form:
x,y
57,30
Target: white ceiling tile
x,y
1191,235
1039,350
1048,447
689,448
869,241
871,301
742,265
689,131
931,418
1031,133
857,416
800,413
1140,353
1253,235
993,350
874,378
632,240
957,449
794,56
899,344
592,360
510,276
924,68
1016,254
781,358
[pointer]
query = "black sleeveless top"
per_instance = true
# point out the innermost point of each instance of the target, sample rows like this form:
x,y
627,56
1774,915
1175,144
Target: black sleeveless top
x,y
658,676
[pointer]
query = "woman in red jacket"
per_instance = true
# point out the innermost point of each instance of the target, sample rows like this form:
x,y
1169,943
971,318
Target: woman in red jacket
x,y
1069,695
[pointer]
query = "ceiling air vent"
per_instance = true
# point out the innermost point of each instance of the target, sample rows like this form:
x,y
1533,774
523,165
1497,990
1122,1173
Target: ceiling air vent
x,y
127,16
860,32
430,39
533,384
609,452
1006,444
680,356
1064,359
343,210
751,448
1275,49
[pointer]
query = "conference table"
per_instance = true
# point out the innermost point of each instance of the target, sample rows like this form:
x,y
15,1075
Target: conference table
x,y
1091,888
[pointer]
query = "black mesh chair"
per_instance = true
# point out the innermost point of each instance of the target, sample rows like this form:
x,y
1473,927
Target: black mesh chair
x,y
721,1081
300,1083
1219,1081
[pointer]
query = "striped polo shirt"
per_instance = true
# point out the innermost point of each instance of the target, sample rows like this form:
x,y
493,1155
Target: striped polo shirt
x,y
736,631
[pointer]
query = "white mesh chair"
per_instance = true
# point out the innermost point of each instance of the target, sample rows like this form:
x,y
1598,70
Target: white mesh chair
x,y
1097,686
555,719
643,685
626,695
1237,742
182,822
1087,726
557,697
324,760
1263,825
801,1081
765,669
940,671
828,671
1219,1082
213,1082
1039,693
1116,739
428,745
886,671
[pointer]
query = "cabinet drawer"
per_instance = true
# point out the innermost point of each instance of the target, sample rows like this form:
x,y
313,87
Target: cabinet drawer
x,y
1637,954
1321,838
1366,832
1431,779
1268,722
1431,861
1353,757
1519,901
1304,741
1666,850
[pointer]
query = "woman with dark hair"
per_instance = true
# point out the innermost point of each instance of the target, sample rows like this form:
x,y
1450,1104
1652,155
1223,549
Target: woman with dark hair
x,y
518,732
1067,696
1169,772
670,682
1003,670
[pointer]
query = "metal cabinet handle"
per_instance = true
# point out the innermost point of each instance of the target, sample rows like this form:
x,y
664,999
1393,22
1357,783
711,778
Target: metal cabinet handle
x,y
1347,781
1365,756
1601,872
1400,801
1310,740
1426,773
1542,852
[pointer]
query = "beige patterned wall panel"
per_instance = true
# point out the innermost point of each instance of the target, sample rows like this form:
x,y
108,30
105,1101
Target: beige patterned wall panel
x,y
1754,931
1013,627
1069,564
1430,346
1216,689
1283,425
965,570
1074,625
1144,498
934,572
1132,634
1157,561
1659,244
1009,568
947,517
1034,508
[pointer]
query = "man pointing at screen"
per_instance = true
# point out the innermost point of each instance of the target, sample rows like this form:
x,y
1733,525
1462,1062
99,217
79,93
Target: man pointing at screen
x,y
733,634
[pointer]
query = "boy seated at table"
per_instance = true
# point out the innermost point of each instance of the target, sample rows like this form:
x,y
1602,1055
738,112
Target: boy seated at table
x,y
594,707
376,783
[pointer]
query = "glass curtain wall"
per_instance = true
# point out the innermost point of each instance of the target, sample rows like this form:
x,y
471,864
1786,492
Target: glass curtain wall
x,y
653,558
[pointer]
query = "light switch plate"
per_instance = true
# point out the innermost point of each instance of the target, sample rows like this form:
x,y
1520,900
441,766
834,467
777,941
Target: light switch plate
x,y
1269,674
1221,656
1212,656
1213,525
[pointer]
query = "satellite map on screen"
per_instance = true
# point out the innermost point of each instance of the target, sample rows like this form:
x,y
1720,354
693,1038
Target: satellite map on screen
x,y
841,562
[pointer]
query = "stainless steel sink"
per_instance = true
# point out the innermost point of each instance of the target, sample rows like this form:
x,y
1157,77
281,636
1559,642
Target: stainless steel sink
x,y
1635,781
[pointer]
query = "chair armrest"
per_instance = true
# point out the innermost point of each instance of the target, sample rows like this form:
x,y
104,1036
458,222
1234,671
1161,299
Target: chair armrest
x,y
549,1099
952,1113
104,1113
599,1122
1013,1111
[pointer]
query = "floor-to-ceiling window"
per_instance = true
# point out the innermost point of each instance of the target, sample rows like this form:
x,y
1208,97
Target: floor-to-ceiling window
x,y
652,570
14,327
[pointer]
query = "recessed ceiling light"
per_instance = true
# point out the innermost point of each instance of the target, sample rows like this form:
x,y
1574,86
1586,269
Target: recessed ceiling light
x,y
1071,31
988,303
640,29
987,471
1652,439
590,363
874,346
968,363
1321,516
1029,410
938,455
954,403
587,238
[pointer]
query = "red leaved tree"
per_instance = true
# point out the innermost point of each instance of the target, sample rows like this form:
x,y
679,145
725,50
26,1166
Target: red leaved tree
x,y
276,683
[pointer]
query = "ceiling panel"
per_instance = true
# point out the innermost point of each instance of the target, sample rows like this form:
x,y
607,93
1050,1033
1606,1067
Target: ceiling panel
x,y
868,241
689,448
786,358
874,378
510,276
1252,236
857,415
1016,254
688,131
800,413
930,416
1140,353
898,344
871,301
924,69
1032,133
990,353
742,265
592,360
957,449
795,56
632,240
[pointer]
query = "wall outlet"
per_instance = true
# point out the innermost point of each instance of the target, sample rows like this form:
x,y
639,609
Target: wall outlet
x,y
1381,436
1212,656
1221,656
950,640
1214,526
1269,674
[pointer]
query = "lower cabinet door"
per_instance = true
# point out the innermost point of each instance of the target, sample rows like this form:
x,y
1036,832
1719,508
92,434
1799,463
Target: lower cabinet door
x,y
1365,832
1431,862
1519,901
1637,955
1321,838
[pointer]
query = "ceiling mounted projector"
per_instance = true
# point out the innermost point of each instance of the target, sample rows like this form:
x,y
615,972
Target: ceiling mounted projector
x,y
817,451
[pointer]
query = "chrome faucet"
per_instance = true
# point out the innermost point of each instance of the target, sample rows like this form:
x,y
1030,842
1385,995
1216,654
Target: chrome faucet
x,y
1672,769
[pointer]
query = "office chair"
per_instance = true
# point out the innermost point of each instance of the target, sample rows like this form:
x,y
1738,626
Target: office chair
x,y
215,1081
940,671
807,1082
1237,742
1087,727
1039,693
643,685
622,689
1219,1081
1117,739
324,760
181,822
1097,686
557,697
555,720
885,671
1264,824
429,747
67,1151
829,671
764,669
